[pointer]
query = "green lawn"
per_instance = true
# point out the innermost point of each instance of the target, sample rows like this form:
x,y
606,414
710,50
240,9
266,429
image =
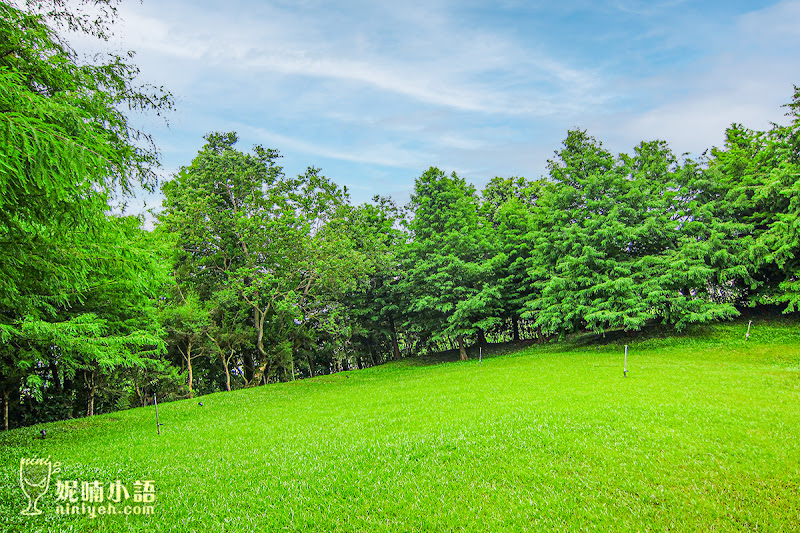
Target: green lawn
x,y
703,434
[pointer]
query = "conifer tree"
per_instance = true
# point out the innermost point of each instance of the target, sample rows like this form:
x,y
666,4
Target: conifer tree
x,y
448,265
614,244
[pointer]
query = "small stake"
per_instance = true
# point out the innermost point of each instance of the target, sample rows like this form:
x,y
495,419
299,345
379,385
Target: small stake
x,y
158,426
480,355
747,335
625,368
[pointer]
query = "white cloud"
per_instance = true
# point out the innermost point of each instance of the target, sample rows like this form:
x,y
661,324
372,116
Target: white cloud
x,y
746,81
779,22
447,66
377,91
375,154
645,7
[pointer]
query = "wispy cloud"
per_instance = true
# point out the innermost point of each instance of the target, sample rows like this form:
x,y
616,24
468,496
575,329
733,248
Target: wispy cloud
x,y
745,80
645,7
376,154
375,92
447,66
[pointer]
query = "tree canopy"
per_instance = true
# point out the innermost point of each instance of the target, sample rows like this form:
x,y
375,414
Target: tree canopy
x,y
74,278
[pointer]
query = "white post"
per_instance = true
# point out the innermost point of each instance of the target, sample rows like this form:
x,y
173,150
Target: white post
x,y
747,335
480,355
625,368
158,426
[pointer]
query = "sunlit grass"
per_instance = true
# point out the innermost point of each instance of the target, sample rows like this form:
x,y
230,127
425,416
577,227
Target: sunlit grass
x,y
703,434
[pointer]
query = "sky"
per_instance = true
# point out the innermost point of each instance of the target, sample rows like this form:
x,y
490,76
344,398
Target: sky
x,y
376,92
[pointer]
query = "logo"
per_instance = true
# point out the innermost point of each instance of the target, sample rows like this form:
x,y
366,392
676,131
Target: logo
x,y
34,478
80,497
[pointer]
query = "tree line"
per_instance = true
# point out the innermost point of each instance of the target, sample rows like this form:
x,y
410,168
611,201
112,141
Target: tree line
x,y
251,276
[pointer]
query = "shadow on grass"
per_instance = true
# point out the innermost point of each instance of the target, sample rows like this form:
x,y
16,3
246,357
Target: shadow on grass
x,y
766,325
474,353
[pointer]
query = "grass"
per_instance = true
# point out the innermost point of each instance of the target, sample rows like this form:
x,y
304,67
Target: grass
x,y
703,434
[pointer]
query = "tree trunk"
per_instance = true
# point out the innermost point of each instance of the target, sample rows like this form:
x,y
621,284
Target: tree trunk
x,y
189,367
261,375
258,373
462,349
139,394
90,405
227,363
481,338
90,392
6,394
515,327
310,364
395,344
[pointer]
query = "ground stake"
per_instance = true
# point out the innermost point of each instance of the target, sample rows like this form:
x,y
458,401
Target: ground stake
x,y
158,426
625,368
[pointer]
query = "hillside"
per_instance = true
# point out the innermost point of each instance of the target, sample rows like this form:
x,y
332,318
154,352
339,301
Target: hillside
x,y
702,434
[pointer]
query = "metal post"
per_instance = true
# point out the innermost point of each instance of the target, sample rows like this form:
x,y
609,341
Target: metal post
x,y
625,368
480,355
747,335
158,426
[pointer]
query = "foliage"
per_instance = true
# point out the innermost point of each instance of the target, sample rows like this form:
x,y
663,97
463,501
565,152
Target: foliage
x,y
752,204
378,305
510,208
75,281
448,262
251,238
252,276
612,243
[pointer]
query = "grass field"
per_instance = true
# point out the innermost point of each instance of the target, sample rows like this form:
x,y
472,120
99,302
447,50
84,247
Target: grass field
x,y
703,434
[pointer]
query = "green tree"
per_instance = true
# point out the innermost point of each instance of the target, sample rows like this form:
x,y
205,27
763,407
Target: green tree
x,y
66,145
448,262
187,323
243,226
615,246
510,208
748,205
377,305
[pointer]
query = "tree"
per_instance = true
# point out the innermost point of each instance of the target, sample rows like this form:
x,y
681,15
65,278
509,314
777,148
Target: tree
x,y
510,209
616,247
749,209
782,240
109,326
377,305
65,147
243,226
187,325
228,332
447,263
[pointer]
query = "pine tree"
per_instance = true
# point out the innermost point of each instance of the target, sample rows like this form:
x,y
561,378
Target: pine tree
x,y
448,264
615,244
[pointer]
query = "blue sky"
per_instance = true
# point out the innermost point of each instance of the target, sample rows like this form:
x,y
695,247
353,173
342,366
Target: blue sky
x,y
376,92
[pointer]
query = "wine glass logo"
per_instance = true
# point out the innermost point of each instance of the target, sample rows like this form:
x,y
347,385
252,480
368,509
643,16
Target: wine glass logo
x,y
34,478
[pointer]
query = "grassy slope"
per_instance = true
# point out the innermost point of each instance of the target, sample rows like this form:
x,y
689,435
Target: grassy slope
x,y
703,434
